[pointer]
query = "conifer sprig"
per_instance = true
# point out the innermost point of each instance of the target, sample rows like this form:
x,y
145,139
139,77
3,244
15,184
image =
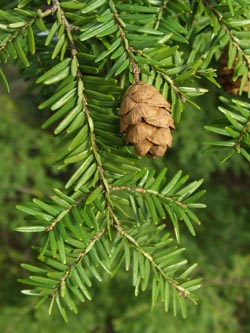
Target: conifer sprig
x,y
112,211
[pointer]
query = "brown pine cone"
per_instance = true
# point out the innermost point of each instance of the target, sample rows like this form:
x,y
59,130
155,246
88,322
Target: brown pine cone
x,y
225,75
146,119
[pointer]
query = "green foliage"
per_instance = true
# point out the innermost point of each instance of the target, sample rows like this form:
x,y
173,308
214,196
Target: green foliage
x,y
236,128
82,56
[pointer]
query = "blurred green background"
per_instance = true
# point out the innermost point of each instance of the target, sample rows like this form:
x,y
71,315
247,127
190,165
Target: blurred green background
x,y
221,246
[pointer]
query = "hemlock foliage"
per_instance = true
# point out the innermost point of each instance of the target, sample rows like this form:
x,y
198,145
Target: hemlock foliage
x,y
79,58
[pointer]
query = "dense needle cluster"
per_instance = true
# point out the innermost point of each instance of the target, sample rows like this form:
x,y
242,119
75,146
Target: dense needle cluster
x,y
226,75
146,119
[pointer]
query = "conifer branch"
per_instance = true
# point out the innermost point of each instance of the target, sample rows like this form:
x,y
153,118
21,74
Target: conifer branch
x,y
64,213
128,49
178,93
167,78
230,34
78,260
86,111
147,191
88,227
17,32
160,14
182,292
246,128
68,27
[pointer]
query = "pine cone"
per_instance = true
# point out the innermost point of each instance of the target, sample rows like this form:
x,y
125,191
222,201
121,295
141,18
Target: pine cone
x,y
146,119
225,75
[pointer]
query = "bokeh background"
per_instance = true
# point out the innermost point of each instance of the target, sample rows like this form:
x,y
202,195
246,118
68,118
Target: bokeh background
x,y
221,247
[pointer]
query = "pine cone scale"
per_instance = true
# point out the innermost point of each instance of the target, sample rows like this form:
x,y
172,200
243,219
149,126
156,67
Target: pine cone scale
x,y
161,136
143,112
139,132
143,148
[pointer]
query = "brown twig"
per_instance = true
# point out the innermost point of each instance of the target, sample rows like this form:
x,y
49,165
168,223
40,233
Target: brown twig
x,y
148,191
